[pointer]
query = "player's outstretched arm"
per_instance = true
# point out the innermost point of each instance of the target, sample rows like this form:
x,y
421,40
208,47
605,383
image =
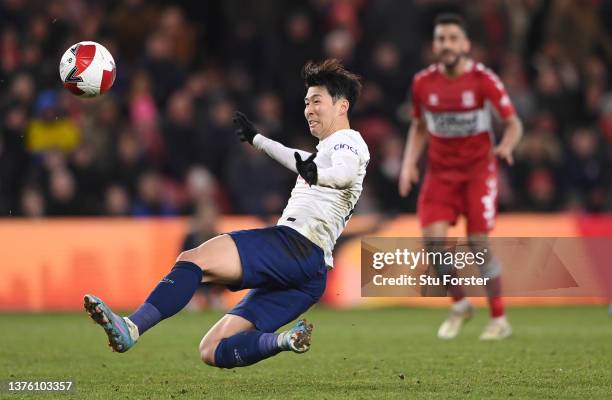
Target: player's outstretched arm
x,y
282,154
247,132
417,138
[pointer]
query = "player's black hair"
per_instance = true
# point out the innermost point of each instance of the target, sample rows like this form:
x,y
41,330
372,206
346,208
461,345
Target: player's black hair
x,y
338,81
451,18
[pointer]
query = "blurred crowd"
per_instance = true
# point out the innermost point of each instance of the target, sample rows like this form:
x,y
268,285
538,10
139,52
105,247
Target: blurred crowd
x,y
161,143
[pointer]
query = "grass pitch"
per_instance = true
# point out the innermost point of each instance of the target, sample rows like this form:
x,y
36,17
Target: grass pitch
x,y
380,353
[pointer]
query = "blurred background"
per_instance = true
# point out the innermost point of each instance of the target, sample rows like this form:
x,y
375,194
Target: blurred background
x,y
162,139
160,143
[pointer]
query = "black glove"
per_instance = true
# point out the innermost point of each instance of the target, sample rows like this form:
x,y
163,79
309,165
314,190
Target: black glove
x,y
307,168
245,129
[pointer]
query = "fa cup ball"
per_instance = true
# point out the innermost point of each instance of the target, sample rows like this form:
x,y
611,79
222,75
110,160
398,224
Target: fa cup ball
x,y
87,69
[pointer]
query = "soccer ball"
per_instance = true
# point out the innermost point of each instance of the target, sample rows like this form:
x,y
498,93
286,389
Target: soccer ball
x,y
87,69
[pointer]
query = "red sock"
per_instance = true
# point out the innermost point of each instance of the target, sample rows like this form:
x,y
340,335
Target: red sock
x,y
496,306
496,303
456,293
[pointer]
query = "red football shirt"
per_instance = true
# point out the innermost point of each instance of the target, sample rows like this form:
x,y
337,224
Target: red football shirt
x,y
457,114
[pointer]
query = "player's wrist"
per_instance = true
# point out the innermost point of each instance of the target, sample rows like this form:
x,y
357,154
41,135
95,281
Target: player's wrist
x,y
258,141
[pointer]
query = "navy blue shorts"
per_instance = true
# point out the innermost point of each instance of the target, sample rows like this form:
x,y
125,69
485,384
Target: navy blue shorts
x,y
286,272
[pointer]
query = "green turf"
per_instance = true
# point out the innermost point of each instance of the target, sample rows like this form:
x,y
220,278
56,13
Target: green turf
x,y
383,353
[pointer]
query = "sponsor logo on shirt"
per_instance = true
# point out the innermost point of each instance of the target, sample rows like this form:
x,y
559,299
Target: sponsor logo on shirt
x,y
341,146
457,124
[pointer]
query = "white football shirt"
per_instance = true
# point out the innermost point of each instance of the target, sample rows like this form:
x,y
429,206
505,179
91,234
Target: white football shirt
x,y
320,212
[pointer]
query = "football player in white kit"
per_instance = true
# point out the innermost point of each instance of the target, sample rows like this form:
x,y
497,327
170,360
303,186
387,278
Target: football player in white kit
x,y
286,265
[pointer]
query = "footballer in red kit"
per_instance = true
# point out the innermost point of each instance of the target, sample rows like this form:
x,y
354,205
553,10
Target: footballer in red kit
x,y
462,175
452,109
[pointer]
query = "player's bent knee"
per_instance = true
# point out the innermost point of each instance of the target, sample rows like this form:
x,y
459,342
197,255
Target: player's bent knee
x,y
188,255
207,351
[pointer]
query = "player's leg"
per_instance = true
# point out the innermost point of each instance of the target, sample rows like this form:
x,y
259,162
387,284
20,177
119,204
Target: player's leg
x,y
440,203
481,212
491,269
289,274
227,326
461,309
217,261
434,235
498,327
247,334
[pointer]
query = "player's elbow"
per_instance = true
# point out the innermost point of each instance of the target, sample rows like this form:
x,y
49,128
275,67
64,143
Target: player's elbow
x,y
514,123
339,182
345,182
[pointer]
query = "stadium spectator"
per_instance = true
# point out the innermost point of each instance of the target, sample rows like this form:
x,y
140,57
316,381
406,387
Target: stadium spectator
x,y
32,203
144,116
180,135
116,201
586,169
63,198
50,129
130,161
150,200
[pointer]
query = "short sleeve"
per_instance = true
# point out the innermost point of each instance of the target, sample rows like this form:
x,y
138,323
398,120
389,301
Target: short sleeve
x,y
495,92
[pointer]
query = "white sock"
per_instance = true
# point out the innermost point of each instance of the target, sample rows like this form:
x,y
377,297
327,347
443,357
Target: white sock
x,y
132,328
461,306
501,319
280,341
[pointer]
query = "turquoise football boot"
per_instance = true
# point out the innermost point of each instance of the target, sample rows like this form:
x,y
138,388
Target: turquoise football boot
x,y
297,339
116,328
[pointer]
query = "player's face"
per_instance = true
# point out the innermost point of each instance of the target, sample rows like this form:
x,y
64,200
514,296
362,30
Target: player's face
x,y
450,44
322,112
